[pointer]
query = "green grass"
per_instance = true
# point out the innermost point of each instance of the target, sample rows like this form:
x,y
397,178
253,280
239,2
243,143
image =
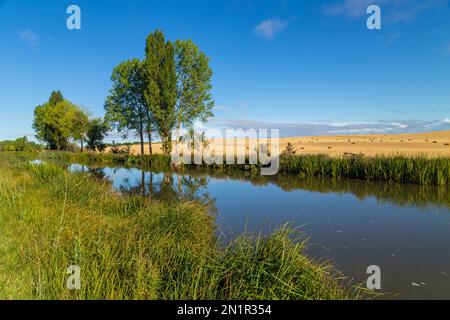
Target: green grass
x,y
400,169
159,162
131,247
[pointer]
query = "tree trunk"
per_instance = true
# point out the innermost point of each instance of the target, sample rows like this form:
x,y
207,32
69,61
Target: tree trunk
x,y
179,122
164,145
141,134
81,145
142,142
150,149
169,143
178,131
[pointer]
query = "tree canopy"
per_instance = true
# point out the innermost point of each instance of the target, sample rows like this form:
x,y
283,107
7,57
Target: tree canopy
x,y
58,121
170,88
194,98
20,144
55,98
126,108
97,130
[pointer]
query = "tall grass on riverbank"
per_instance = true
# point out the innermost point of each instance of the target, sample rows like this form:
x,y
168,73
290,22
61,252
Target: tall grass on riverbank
x,y
418,170
157,161
131,247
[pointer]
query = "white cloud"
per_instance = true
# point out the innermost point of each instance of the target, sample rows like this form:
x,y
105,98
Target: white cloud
x,y
268,28
332,128
400,125
30,37
362,131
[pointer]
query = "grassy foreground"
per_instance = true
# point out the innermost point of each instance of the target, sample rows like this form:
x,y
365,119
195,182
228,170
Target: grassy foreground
x,y
134,248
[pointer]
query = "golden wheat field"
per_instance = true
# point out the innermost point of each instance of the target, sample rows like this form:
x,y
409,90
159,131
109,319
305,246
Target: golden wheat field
x,y
433,144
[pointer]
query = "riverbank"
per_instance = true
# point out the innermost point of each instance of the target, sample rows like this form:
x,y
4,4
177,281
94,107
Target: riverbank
x,y
131,247
399,169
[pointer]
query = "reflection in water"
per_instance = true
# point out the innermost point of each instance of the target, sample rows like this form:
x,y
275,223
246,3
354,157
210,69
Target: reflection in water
x,y
404,229
402,195
193,185
167,186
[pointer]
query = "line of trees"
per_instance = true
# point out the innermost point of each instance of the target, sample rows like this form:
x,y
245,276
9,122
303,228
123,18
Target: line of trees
x,y
168,90
20,144
59,122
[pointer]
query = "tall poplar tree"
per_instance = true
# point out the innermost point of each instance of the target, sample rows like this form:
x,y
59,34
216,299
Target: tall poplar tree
x,y
161,82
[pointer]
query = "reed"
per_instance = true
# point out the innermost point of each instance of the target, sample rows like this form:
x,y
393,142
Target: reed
x,y
157,161
418,170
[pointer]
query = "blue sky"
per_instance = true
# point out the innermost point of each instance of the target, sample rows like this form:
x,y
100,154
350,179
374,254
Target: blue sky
x,y
307,67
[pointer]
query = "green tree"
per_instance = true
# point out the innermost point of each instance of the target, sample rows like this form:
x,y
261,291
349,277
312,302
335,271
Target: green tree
x,y
57,121
97,130
80,125
20,144
194,98
52,124
126,107
55,98
161,84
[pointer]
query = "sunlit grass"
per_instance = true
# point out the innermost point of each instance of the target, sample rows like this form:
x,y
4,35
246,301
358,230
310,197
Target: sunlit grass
x,y
401,169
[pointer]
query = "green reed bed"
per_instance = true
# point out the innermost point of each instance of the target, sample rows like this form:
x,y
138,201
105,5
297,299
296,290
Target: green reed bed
x,y
418,170
156,161
131,247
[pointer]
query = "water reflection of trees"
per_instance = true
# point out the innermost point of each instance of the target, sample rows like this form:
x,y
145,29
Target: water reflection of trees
x,y
393,193
96,172
192,185
169,186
